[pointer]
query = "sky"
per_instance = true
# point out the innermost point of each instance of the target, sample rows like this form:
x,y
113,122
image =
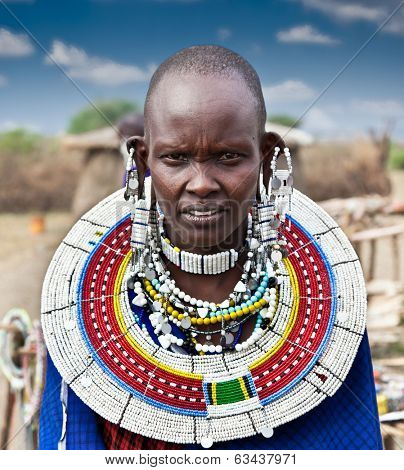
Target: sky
x,y
337,65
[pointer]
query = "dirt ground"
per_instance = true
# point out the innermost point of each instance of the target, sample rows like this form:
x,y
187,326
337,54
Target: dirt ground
x,y
24,258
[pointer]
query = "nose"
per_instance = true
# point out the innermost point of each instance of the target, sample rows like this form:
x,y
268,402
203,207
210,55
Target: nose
x,y
202,181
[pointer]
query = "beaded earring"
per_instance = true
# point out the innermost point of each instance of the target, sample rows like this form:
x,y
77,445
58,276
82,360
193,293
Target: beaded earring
x,y
267,222
280,194
272,206
135,192
131,177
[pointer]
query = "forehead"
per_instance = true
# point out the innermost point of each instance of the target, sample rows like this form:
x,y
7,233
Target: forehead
x,y
201,107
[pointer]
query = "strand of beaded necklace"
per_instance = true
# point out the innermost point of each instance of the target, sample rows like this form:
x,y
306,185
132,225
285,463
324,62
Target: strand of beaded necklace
x,y
230,312
201,264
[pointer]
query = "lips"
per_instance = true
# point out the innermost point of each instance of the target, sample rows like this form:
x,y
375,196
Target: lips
x,y
206,213
203,215
203,209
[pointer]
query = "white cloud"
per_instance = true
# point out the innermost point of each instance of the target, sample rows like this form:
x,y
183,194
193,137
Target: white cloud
x,y
3,80
14,45
223,33
379,108
396,24
317,120
353,117
289,90
348,11
96,70
305,34
372,11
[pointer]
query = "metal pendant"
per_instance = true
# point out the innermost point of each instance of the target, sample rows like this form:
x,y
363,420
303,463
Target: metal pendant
x,y
229,338
275,183
130,283
150,274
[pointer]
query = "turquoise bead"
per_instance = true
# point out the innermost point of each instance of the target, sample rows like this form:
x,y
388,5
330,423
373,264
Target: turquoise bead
x,y
225,311
231,309
243,305
237,308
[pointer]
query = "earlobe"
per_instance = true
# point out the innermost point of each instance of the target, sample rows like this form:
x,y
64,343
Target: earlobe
x,y
272,140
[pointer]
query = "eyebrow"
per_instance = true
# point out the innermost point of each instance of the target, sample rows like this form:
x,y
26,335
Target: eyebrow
x,y
229,145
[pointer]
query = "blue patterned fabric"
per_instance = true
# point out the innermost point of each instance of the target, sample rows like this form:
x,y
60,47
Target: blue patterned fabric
x,y
347,420
81,432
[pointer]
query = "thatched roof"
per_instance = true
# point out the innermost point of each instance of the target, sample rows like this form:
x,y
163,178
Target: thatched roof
x,y
107,138
292,136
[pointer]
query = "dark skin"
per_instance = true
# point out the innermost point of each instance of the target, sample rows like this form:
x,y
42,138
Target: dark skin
x,y
204,145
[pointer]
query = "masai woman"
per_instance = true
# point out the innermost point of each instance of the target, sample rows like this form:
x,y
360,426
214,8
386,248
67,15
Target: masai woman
x,y
208,282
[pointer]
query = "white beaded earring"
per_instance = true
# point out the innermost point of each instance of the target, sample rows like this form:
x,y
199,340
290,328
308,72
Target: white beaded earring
x,y
139,214
281,184
266,220
281,189
131,177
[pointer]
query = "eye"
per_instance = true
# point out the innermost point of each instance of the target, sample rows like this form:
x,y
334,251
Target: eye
x,y
178,157
229,156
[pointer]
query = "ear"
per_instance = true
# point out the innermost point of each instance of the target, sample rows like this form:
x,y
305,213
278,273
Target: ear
x,y
269,141
140,156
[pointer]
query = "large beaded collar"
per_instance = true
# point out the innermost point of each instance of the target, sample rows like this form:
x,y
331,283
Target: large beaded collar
x,y
97,340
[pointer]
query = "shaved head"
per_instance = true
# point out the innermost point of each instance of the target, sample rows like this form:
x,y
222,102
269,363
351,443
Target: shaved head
x,y
208,61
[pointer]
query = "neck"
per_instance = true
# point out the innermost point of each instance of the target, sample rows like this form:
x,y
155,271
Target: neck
x,y
235,240
215,287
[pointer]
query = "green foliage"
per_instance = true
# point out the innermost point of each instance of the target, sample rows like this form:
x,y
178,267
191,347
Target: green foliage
x,y
396,158
90,118
19,141
284,120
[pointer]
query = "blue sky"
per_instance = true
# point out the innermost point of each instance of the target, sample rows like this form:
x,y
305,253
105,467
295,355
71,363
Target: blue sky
x,y
111,47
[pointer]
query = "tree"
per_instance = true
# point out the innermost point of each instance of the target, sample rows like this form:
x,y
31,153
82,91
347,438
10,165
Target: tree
x,y
103,114
285,120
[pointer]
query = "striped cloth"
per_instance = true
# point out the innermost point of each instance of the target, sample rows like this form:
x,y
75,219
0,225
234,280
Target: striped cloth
x,y
347,420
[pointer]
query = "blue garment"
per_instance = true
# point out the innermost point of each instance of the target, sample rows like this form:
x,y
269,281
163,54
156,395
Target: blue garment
x,y
347,420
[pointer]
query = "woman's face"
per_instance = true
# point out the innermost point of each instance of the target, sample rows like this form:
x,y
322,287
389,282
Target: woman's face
x,y
203,151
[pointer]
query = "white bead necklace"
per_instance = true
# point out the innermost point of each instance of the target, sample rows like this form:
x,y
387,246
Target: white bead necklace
x,y
204,264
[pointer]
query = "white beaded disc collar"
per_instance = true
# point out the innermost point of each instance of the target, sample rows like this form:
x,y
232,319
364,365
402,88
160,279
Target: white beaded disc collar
x,y
102,349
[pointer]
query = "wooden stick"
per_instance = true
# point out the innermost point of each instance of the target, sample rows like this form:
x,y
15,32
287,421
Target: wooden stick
x,y
372,259
381,232
5,431
396,257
